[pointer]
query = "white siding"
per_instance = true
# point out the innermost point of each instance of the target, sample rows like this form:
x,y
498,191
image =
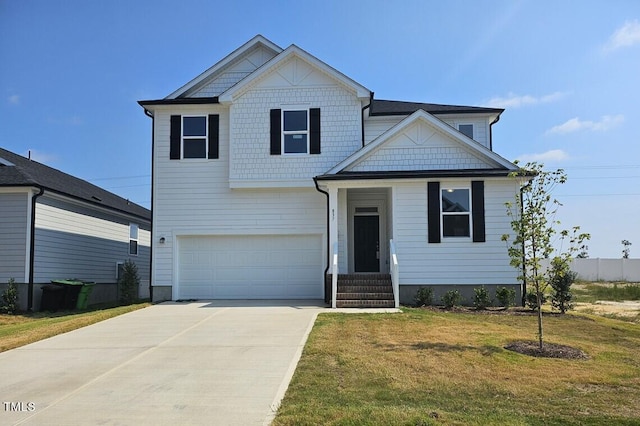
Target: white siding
x,y
453,261
193,197
13,236
73,241
480,126
250,134
233,73
375,126
420,147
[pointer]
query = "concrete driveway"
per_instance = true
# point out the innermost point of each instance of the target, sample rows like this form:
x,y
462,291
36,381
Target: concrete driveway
x,y
213,363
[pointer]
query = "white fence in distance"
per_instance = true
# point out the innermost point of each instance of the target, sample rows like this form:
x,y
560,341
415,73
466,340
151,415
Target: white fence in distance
x,y
606,269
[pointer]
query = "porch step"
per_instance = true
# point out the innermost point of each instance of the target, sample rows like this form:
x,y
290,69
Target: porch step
x,y
364,291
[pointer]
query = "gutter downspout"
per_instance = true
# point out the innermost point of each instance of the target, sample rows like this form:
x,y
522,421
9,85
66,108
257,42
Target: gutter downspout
x,y
153,137
491,132
32,248
362,120
326,270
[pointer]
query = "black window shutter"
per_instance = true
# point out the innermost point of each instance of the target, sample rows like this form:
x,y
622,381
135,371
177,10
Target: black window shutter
x,y
314,129
175,136
477,211
276,132
433,212
214,138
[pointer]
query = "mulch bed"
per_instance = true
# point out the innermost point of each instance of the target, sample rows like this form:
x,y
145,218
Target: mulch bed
x,y
549,350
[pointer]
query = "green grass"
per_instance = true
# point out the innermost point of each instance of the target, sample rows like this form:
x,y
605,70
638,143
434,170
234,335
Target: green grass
x,y
22,329
426,367
589,292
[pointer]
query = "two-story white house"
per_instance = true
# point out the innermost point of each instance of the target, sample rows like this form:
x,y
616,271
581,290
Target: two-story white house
x,y
274,173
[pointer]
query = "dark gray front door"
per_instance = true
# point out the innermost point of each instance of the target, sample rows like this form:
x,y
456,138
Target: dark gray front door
x,y
366,242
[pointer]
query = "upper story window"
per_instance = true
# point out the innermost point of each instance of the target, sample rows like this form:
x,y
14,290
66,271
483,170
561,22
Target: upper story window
x,y
456,212
466,129
295,132
194,137
133,239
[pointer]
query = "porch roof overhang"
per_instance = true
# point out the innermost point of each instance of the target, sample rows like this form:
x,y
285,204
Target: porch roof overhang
x,y
415,174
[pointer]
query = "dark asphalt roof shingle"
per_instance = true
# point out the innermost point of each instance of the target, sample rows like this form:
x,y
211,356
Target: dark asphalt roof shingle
x,y
25,172
383,107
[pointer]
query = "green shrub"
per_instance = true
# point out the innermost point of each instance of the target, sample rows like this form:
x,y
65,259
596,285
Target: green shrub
x,y
481,299
10,298
129,282
424,296
531,300
561,281
506,296
451,298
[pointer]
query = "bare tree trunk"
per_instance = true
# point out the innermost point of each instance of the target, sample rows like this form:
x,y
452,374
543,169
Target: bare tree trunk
x,y
539,317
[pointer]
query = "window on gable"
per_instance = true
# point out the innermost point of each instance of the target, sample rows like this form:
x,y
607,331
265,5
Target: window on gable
x,y
133,239
194,137
456,212
466,129
295,132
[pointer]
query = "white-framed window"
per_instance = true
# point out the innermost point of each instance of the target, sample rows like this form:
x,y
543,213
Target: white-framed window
x,y
194,136
295,131
456,212
133,239
466,129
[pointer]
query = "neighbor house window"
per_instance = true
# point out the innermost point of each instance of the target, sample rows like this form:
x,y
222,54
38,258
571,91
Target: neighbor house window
x,y
295,132
456,212
194,137
133,239
466,129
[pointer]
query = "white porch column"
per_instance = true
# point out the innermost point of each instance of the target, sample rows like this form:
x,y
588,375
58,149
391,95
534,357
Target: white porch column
x,y
333,241
333,216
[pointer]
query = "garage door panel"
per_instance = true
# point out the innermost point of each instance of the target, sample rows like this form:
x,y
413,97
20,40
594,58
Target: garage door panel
x,y
250,267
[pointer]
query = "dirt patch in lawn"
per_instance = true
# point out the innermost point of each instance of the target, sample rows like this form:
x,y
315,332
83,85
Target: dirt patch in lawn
x,y
627,308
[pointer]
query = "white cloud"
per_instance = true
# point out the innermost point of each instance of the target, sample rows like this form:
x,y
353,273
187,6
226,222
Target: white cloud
x,y
627,35
516,101
575,124
14,99
549,156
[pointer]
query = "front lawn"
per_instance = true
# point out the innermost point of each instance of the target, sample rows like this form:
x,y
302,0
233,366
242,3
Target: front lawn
x,y
22,329
426,367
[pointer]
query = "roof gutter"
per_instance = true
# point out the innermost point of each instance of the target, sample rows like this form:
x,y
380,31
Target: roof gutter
x,y
32,247
362,115
491,131
326,270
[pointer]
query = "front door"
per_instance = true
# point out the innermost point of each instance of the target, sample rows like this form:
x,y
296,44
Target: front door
x,y
366,241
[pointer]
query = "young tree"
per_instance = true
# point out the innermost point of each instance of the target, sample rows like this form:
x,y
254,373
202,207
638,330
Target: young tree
x,y
625,252
534,225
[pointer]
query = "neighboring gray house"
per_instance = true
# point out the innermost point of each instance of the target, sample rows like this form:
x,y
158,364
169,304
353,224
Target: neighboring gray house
x,y
56,226
277,176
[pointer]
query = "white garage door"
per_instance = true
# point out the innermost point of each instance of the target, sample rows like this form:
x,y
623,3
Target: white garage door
x,y
250,267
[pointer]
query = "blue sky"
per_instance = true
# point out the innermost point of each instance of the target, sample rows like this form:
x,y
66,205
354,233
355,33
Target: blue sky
x,y
567,72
